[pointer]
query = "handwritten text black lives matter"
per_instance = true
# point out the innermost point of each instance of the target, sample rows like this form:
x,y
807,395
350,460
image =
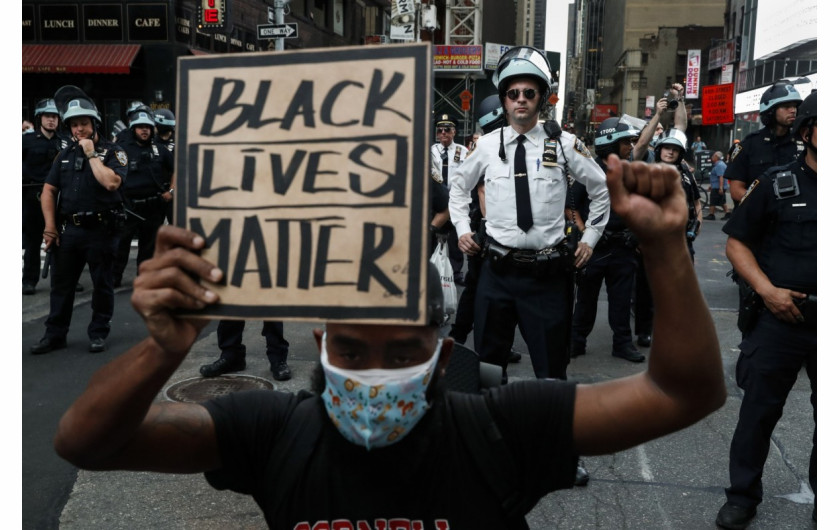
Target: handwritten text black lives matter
x,y
300,183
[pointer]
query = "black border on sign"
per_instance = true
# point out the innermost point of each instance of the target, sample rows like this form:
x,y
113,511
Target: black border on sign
x,y
417,188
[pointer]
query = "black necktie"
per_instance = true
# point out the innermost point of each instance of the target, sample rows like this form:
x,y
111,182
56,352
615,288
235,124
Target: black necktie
x,y
520,179
444,165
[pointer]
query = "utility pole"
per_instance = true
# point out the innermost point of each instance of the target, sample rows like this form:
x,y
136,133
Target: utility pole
x,y
279,13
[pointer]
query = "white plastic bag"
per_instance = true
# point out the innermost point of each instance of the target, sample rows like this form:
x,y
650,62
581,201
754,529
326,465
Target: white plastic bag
x,y
440,259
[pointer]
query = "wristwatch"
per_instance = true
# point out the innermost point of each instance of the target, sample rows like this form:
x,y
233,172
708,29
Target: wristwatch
x,y
92,155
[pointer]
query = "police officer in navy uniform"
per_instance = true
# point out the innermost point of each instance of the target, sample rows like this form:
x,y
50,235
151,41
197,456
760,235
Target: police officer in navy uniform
x,y
522,280
613,259
491,116
150,169
39,150
232,358
447,156
772,145
165,134
124,134
165,128
773,246
82,211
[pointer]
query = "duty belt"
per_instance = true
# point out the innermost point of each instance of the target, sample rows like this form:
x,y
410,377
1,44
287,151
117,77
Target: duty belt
x,y
90,218
524,255
80,218
531,256
153,198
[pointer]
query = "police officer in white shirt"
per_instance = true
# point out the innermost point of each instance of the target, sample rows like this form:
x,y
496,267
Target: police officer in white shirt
x,y
446,157
525,170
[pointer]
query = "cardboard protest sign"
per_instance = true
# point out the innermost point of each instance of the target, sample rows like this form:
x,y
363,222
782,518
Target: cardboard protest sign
x,y
307,174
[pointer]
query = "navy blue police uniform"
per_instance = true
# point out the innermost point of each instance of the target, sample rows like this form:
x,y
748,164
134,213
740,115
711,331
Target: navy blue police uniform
x,y
465,314
781,230
758,152
39,152
150,169
88,218
229,336
613,262
692,194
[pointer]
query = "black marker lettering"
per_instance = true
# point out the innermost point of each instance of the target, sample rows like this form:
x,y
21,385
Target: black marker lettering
x,y
371,251
377,97
220,233
322,259
329,101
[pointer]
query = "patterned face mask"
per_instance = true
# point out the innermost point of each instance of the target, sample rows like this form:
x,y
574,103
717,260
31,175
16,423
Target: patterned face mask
x,y
377,407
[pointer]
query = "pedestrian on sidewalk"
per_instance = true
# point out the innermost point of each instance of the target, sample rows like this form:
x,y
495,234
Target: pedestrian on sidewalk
x,y
718,187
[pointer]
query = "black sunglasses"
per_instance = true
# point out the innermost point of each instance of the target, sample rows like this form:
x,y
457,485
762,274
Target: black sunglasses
x,y
444,129
529,93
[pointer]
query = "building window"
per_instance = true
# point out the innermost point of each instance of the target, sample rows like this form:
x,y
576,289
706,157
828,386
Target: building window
x,y
319,13
298,7
373,26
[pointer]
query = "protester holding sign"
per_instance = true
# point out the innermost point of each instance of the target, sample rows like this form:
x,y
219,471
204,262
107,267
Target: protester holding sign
x,y
428,470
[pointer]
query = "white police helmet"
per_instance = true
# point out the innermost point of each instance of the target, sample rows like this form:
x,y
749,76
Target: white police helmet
x,y
72,102
141,116
523,61
46,106
673,137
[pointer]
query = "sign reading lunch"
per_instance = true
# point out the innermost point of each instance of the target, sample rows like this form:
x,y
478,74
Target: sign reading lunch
x,y
306,173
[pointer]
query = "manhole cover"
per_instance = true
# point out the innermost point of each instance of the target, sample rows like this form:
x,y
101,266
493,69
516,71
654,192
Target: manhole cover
x,y
201,389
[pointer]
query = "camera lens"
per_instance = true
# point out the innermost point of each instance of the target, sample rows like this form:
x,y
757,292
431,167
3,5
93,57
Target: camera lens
x,y
673,104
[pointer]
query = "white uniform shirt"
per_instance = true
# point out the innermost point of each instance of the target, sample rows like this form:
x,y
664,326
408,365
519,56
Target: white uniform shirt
x,y
456,153
547,187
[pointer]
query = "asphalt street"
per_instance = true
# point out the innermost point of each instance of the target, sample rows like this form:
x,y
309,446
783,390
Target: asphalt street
x,y
675,482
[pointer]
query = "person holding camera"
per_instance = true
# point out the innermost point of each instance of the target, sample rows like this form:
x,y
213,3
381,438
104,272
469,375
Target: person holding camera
x,y
773,246
652,132
644,150
524,278
613,259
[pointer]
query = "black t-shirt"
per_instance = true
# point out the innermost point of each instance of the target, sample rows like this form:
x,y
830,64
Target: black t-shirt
x,y
429,476
781,232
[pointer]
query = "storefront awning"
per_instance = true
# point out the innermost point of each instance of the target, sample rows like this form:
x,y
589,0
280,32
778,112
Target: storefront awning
x,y
79,58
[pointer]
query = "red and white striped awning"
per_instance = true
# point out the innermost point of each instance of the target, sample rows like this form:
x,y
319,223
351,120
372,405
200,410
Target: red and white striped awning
x,y
79,58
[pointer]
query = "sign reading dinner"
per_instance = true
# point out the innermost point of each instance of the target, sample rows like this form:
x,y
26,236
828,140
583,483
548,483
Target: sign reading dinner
x,y
306,174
